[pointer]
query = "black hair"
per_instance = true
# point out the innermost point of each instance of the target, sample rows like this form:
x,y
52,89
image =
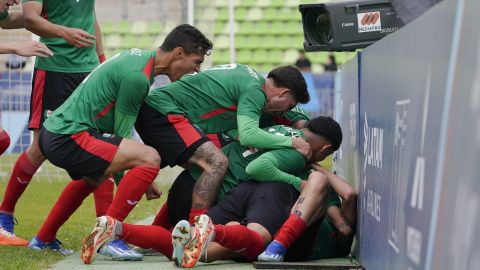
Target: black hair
x,y
291,78
328,128
189,38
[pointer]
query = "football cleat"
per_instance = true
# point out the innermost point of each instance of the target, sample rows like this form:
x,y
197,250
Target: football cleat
x,y
102,234
55,245
202,234
118,250
274,252
180,237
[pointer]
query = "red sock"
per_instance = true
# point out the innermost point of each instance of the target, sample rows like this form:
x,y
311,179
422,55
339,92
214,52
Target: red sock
x,y
130,190
290,230
161,219
149,237
4,141
103,196
196,212
240,239
68,202
21,175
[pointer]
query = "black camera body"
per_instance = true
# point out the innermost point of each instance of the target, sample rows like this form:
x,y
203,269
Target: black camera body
x,y
346,26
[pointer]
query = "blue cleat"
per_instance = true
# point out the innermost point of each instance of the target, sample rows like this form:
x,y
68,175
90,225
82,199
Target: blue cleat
x,y
7,222
118,250
274,252
56,246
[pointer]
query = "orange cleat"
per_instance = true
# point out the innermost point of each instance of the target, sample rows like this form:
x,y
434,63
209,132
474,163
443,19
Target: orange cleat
x,y
102,234
10,239
202,234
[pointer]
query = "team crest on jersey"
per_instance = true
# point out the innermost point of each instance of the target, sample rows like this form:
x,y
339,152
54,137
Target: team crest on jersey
x,y
136,51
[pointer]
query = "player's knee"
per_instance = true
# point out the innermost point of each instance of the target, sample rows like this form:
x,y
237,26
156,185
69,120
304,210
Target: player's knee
x,y
150,157
210,158
34,154
318,182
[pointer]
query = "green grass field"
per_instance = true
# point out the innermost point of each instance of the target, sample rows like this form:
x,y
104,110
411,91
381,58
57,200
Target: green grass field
x,y
38,199
36,202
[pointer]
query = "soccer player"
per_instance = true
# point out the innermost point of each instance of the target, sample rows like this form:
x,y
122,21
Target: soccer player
x,y
176,117
14,20
88,134
306,235
296,117
242,162
72,40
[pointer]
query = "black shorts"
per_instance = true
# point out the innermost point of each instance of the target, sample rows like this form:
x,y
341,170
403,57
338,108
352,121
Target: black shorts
x,y
84,154
173,136
267,204
49,90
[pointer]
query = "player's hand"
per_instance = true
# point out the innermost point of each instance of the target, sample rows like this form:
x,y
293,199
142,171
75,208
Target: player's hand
x,y
33,48
78,37
153,192
303,147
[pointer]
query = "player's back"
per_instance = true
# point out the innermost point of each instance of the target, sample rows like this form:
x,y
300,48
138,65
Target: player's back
x,y
93,103
210,96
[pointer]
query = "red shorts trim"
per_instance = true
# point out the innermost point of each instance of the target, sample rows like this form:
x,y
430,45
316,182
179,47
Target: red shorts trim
x,y
37,99
188,133
94,146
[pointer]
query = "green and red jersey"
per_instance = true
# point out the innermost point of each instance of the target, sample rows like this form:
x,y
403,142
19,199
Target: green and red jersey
x,y
68,58
220,99
282,165
109,99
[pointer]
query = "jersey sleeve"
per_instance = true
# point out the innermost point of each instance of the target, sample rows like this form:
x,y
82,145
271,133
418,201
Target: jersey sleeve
x,y
251,135
132,93
277,166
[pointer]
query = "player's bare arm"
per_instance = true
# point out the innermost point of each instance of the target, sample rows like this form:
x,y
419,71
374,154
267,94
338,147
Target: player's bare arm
x,y
42,27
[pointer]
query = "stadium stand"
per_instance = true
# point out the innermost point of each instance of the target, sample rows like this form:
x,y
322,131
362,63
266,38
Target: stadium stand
x,y
268,33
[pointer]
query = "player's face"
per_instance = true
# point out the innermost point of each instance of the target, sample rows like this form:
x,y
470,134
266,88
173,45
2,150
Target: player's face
x,y
186,64
281,103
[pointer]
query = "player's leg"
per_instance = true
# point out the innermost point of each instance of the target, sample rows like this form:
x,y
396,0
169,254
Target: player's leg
x,y
143,164
214,164
232,208
309,207
4,140
179,142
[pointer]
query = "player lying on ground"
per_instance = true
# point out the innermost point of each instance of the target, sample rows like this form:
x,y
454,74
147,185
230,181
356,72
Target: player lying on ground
x,y
279,164
332,227
88,134
295,117
175,119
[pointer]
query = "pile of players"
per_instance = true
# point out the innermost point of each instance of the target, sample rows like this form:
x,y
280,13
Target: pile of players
x,y
252,188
